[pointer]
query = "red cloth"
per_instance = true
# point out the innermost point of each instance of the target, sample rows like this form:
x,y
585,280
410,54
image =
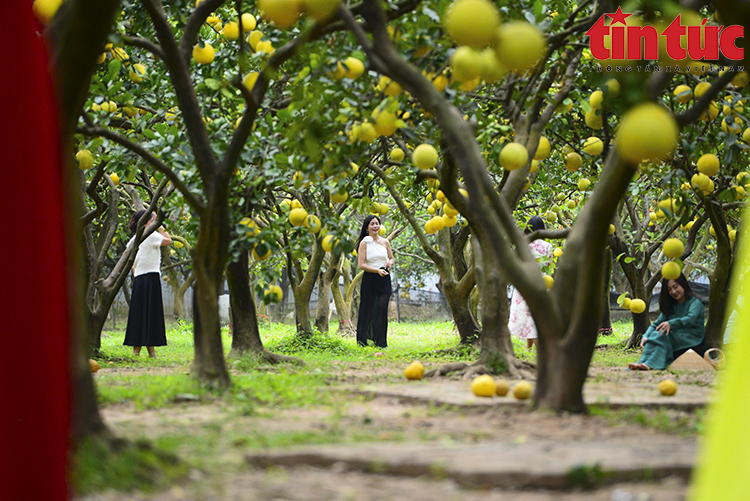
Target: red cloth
x,y
34,318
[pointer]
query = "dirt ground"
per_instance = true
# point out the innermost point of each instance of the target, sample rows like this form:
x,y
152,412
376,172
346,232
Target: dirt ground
x,y
384,419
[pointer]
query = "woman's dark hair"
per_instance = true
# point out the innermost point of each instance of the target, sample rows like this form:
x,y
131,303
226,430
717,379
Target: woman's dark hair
x,y
534,224
666,302
363,231
133,223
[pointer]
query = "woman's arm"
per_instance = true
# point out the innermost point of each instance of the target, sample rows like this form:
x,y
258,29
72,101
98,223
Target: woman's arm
x,y
167,239
362,261
694,316
390,260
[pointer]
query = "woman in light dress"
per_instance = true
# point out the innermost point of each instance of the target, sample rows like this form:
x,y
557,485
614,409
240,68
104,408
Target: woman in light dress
x,y
375,258
520,322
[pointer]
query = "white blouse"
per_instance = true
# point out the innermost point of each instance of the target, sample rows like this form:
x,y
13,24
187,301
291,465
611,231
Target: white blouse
x,y
377,254
148,258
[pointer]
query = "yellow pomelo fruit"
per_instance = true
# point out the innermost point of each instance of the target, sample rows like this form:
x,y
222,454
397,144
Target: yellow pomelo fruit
x,y
354,68
389,87
339,197
637,306
549,282
732,124
273,294
670,270
397,154
93,365
626,303
522,390
231,31
85,159
667,387
466,64
297,217
283,13
257,249
437,223
593,146
683,93
502,387
425,156
136,73
383,210
741,79
254,39
557,252
313,223
115,179
708,164
596,98
472,22
593,120
673,247
428,228
386,123
449,221
732,235
329,242
520,45
513,156
320,10
542,150
367,133
571,204
701,89
249,80
612,229
203,55
583,184
646,131
414,370
492,69
248,22
700,181
45,10
573,161
613,87
552,217
483,386
711,112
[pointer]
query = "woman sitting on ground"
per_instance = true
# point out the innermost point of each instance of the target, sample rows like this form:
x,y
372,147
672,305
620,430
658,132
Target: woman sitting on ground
x,y
678,328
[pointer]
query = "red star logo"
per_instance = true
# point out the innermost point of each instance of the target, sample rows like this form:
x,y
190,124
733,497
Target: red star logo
x,y
618,17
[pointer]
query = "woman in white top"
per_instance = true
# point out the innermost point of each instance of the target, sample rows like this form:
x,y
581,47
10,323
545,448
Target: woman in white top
x,y
375,258
146,315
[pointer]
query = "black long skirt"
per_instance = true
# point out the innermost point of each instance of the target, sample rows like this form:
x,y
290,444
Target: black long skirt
x,y
372,322
146,315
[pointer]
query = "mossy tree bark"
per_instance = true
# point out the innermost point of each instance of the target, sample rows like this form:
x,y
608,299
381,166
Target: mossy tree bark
x,y
718,295
302,283
325,284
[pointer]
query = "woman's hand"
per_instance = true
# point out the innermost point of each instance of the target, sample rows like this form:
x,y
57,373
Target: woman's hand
x,y
382,272
663,328
643,341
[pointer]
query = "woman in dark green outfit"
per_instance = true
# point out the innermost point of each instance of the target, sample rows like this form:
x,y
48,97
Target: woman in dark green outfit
x,y
678,328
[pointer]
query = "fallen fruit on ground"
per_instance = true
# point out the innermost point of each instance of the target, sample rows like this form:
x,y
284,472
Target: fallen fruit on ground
x,y
502,387
667,387
93,365
522,390
414,370
483,386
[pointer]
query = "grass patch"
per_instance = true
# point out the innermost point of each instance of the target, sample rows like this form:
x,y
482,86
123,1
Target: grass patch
x,y
674,421
124,466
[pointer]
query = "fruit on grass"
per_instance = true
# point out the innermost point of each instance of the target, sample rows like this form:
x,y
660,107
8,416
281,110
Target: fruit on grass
x,y
85,159
646,131
93,365
414,370
472,22
203,55
673,247
520,45
425,156
483,386
522,390
637,306
501,387
283,13
667,387
670,270
513,156
297,217
708,164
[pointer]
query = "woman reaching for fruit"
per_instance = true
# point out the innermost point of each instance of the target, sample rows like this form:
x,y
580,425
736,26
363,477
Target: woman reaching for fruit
x,y
678,328
375,257
146,315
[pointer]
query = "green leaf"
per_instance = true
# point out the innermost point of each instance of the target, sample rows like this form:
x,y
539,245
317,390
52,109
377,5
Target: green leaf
x,y
114,68
212,83
284,115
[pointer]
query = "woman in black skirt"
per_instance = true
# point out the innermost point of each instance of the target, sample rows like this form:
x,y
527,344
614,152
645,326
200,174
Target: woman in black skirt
x,y
146,315
375,257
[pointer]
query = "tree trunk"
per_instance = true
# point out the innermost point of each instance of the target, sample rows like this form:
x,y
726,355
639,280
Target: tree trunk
x,y
458,298
606,325
179,296
209,257
245,333
342,311
641,321
718,293
303,289
323,310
